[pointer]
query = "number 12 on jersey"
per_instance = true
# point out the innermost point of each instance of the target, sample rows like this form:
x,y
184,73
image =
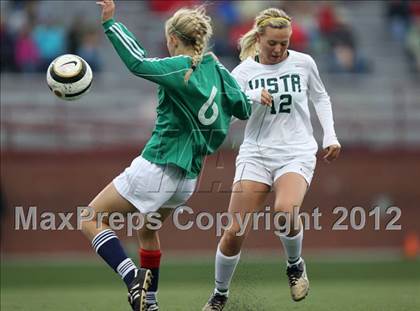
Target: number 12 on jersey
x,y
285,101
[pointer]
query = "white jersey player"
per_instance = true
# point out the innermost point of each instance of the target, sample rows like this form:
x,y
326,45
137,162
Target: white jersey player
x,y
279,149
282,132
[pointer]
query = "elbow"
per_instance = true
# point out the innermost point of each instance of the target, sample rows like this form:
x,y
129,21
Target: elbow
x,y
242,115
133,66
245,115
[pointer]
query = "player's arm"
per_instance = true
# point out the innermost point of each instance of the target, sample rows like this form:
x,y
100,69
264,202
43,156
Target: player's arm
x,y
241,108
322,103
162,71
241,103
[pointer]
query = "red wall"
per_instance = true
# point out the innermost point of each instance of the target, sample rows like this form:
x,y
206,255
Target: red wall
x,y
62,181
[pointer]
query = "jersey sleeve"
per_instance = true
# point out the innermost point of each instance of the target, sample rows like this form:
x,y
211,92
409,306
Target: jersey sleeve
x,y
241,77
322,103
241,103
168,72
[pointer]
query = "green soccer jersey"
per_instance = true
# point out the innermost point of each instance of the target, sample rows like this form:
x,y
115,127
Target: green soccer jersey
x,y
192,119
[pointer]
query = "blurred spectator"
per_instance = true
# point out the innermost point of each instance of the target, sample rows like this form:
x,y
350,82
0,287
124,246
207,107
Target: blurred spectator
x,y
404,18
17,17
89,48
19,52
413,45
235,34
18,4
327,20
342,34
228,27
227,13
346,60
26,52
7,61
75,34
247,12
414,9
83,39
345,56
50,38
168,7
398,14
300,39
306,34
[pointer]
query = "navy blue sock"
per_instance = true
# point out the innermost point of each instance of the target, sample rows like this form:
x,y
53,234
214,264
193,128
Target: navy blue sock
x,y
154,286
150,259
108,246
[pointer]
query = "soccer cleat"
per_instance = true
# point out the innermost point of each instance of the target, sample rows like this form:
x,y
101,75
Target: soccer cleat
x,y
298,280
152,307
216,302
138,288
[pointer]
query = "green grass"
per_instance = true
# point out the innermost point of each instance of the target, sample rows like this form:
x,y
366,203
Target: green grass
x,y
257,286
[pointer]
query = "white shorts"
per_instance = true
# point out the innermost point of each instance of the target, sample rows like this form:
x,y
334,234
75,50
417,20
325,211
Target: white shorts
x,y
266,165
149,186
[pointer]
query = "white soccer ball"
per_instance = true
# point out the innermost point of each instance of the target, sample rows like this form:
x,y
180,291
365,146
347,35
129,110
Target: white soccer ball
x,y
69,77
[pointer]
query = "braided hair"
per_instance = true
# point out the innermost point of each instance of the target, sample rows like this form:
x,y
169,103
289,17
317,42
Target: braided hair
x,y
193,28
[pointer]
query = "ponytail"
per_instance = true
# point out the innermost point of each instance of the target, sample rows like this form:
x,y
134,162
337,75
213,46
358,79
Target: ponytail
x,y
248,44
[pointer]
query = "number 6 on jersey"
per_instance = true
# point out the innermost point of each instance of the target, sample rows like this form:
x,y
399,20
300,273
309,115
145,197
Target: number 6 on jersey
x,y
210,102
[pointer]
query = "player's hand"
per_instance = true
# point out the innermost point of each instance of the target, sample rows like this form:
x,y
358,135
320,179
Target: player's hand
x,y
266,98
108,9
331,153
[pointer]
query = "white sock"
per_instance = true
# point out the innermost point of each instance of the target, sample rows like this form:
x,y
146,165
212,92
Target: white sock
x,y
295,263
225,267
292,246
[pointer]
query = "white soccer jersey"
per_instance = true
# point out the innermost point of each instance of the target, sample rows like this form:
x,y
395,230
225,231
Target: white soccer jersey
x,y
286,126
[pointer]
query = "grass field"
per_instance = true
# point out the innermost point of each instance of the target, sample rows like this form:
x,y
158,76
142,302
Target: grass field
x,y
186,285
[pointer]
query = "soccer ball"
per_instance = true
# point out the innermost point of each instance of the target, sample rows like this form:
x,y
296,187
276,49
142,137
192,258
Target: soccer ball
x,y
69,77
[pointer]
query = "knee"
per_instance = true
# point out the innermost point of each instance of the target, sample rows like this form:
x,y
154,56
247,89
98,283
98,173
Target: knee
x,y
231,242
287,207
289,215
89,228
86,220
92,221
287,219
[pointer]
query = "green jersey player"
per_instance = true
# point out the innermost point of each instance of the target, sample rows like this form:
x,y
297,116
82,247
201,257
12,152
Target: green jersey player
x,y
197,99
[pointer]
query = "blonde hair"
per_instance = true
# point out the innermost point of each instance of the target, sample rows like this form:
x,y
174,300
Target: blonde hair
x,y
272,17
193,28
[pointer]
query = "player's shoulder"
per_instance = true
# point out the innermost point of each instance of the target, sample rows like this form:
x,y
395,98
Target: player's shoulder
x,y
245,67
303,58
246,64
